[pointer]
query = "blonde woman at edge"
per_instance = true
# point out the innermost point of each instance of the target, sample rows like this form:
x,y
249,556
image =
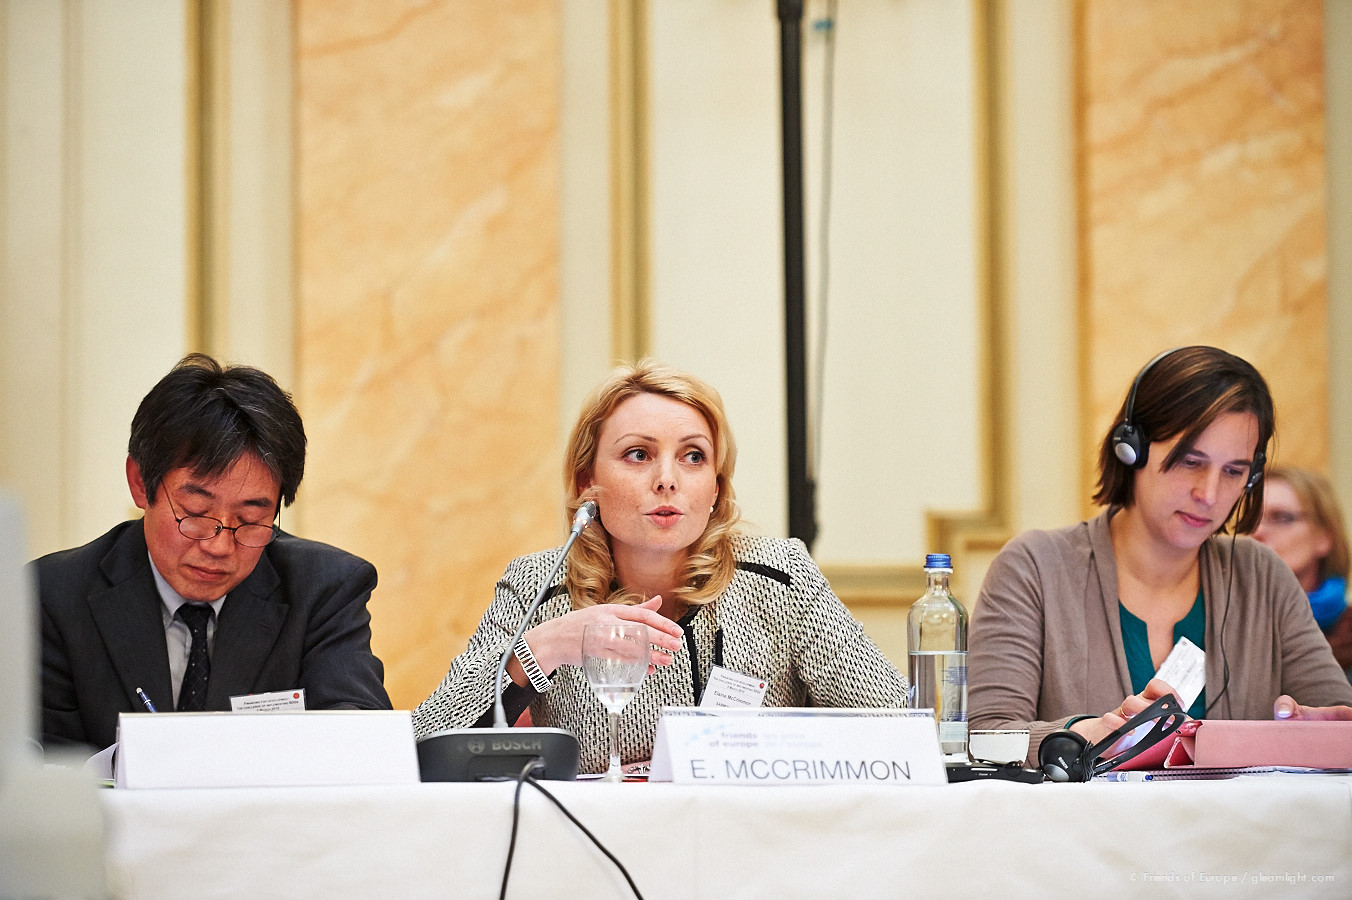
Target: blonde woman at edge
x,y
653,448
1302,522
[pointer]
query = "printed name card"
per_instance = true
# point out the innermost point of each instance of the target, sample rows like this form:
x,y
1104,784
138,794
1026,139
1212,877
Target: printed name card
x,y
273,701
727,689
796,746
219,749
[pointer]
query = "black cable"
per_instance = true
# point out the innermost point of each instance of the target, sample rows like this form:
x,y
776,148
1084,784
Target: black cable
x,y
1225,661
827,25
583,828
534,763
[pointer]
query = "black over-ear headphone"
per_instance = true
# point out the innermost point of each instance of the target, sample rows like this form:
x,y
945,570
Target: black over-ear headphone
x,y
1061,756
1256,470
1131,445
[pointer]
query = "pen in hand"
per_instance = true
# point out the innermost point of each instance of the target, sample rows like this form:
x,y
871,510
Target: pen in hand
x,y
150,707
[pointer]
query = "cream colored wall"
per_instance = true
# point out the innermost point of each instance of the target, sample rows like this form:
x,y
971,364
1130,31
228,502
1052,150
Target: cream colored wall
x,y
905,252
903,303
247,266
94,248
901,433
1036,265
714,229
585,259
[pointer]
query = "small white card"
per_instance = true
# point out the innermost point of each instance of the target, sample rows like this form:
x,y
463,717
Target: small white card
x,y
273,701
729,689
1184,670
796,746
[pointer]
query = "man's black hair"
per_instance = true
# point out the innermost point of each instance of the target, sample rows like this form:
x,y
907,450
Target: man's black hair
x,y
204,417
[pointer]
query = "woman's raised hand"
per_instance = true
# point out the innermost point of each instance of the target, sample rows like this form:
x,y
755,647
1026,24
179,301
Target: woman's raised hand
x,y
558,642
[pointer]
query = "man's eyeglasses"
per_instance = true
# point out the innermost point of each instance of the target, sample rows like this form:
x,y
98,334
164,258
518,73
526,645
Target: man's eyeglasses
x,y
204,528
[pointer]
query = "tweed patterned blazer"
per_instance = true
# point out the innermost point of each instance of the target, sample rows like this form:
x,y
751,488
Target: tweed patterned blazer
x,y
777,621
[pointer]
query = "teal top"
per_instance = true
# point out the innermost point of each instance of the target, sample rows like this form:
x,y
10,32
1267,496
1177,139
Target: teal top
x,y
1136,645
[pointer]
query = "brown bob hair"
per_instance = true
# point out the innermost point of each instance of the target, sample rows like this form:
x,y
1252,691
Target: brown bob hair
x,y
1182,394
708,570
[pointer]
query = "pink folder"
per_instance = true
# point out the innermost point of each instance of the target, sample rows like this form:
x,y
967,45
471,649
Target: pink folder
x,y
1216,743
1230,744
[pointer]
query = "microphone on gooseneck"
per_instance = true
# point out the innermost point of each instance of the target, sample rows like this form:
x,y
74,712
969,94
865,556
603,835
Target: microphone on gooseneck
x,y
501,752
584,516
581,519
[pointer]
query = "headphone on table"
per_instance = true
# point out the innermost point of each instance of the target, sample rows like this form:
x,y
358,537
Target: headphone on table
x,y
1131,445
1067,756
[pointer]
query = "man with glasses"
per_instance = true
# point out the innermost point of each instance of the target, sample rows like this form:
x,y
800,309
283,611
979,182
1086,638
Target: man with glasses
x,y
204,598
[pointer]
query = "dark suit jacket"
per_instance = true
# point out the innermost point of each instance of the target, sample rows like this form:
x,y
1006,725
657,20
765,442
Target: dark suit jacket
x,y
298,620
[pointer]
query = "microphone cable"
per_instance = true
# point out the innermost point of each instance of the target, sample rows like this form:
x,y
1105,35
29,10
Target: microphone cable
x,y
527,778
531,765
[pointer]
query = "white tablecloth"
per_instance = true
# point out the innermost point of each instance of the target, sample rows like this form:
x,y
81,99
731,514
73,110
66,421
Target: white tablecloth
x,y
1249,837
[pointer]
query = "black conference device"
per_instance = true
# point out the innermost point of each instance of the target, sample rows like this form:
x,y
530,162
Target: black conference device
x,y
1012,771
501,752
497,754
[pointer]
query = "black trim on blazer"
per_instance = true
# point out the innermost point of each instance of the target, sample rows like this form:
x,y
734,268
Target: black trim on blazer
x,y
687,628
686,621
767,571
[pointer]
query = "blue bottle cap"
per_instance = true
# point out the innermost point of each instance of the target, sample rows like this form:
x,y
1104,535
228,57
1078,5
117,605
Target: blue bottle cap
x,y
938,561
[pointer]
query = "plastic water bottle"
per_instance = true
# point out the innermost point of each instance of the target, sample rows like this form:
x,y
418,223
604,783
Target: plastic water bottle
x,y
936,632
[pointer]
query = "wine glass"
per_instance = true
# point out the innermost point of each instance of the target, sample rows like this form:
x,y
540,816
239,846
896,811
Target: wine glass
x,y
615,658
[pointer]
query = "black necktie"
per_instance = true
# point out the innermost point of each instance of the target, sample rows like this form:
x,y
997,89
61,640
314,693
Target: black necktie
x,y
192,694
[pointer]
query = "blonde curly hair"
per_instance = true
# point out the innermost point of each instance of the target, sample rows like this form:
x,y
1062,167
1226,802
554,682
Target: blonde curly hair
x,y
711,562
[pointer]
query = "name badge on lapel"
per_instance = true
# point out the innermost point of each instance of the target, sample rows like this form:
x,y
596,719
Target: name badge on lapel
x,y
273,701
727,689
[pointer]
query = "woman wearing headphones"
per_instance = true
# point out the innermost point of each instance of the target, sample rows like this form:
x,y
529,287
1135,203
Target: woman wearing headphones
x,y
1071,625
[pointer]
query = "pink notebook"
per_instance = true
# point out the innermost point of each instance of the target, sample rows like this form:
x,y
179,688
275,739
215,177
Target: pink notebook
x,y
1216,743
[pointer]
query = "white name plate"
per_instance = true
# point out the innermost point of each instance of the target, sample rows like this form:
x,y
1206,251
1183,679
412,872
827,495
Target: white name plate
x,y
219,749
796,746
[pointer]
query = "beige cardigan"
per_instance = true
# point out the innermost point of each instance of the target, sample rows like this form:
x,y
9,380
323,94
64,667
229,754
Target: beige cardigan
x,y
1046,638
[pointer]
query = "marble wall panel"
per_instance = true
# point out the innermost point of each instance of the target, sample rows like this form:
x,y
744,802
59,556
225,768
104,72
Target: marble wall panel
x,y
427,257
1201,145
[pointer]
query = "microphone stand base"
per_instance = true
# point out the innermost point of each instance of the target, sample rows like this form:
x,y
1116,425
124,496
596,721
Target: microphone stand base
x,y
497,754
